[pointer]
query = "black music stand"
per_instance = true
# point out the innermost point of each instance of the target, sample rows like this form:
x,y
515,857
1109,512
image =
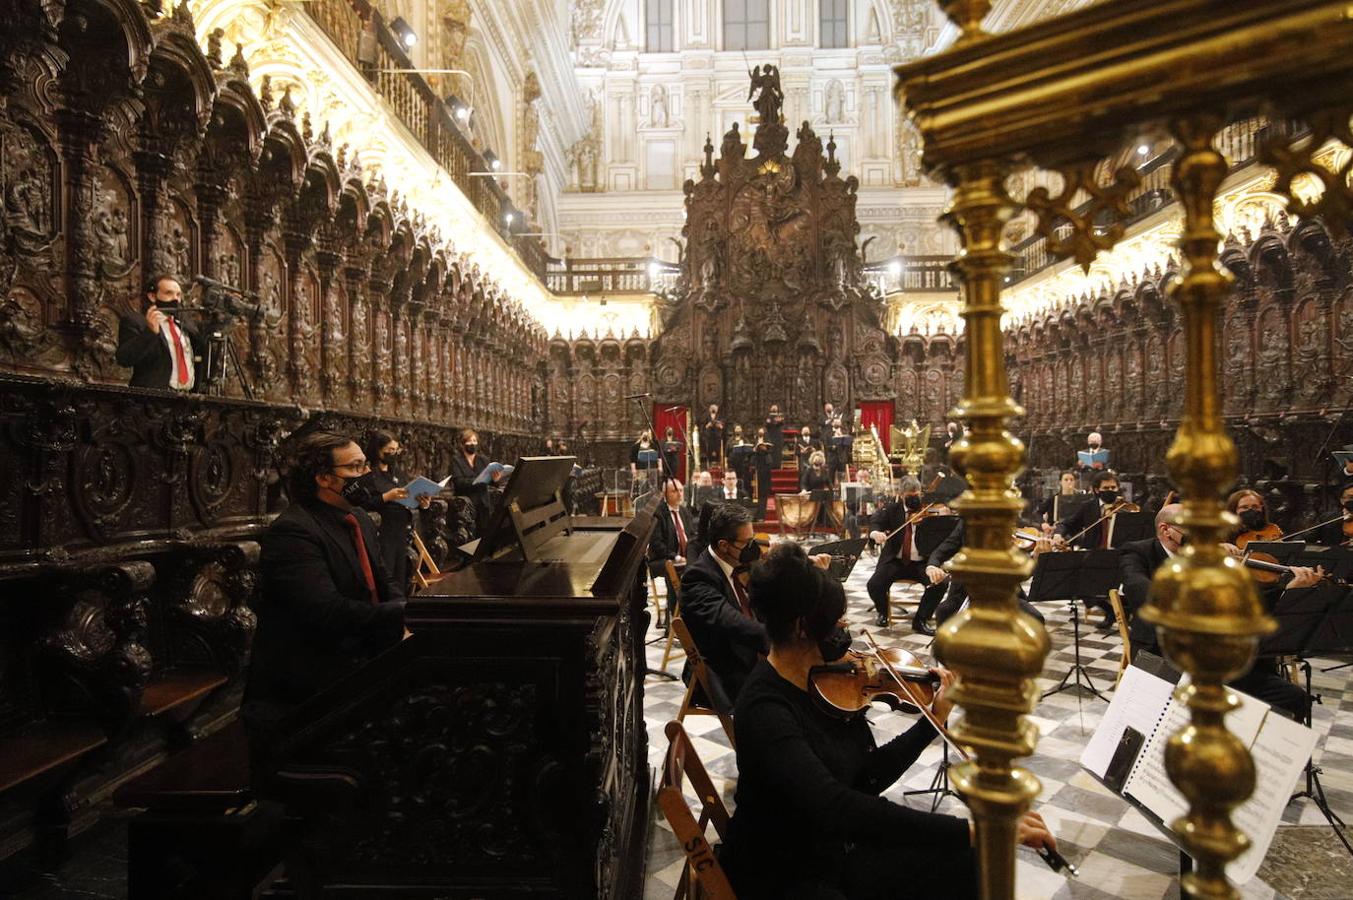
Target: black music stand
x,y
1309,623
1075,576
1133,526
931,532
844,555
939,785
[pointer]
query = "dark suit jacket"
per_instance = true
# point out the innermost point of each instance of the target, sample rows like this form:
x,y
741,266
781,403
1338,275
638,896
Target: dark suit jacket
x,y
727,639
891,515
462,478
1079,521
1328,535
947,547
316,621
147,355
1137,566
664,544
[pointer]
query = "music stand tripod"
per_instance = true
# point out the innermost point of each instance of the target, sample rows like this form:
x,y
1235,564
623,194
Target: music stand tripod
x,y
1308,625
939,785
1075,576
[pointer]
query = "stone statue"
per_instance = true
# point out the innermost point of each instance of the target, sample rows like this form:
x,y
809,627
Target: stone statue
x,y
835,104
657,107
766,89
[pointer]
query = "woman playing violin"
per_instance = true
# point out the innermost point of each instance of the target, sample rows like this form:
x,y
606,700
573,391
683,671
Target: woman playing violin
x,y
1250,508
809,821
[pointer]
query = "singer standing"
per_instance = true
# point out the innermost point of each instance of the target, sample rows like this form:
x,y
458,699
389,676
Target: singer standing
x,y
160,349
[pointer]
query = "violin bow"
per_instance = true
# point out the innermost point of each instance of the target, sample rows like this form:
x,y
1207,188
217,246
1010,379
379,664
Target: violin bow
x,y
1055,860
1285,538
1113,511
912,520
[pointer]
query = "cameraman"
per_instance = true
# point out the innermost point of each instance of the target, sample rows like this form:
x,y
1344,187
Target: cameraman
x,y
159,348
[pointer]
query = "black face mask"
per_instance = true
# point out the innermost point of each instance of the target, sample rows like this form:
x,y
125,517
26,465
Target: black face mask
x,y
1253,519
1094,446
1107,496
390,457
354,490
749,554
1348,506
471,449
911,502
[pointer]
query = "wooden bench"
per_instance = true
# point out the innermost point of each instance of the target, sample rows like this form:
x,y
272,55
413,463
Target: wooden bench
x,y
203,833
45,749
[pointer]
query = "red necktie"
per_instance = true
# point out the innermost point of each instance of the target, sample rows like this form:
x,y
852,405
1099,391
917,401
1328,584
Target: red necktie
x,y
681,532
360,544
176,339
742,597
906,544
1104,533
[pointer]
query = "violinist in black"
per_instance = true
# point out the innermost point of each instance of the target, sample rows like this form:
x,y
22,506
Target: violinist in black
x,y
809,820
1332,534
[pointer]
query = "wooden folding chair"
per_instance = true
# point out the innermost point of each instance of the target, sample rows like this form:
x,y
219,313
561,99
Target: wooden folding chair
x,y
1116,604
673,605
683,762
425,561
699,678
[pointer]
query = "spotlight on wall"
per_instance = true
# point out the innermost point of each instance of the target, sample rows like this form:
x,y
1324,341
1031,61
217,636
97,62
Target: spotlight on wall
x,y
895,268
653,269
406,35
459,108
509,217
492,159
1143,150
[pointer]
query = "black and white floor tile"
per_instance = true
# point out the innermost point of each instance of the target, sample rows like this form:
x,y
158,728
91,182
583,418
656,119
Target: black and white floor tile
x,y
1119,853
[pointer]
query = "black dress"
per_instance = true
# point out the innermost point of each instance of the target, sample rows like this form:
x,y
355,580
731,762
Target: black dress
x,y
397,522
809,821
463,475
763,455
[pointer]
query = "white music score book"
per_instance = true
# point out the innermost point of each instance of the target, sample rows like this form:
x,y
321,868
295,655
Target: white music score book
x,y
1146,704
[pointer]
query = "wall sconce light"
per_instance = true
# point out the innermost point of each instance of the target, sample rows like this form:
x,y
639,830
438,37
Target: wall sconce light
x,y
406,35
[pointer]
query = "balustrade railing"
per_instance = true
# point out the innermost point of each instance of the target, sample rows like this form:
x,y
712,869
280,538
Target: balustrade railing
x,y
422,112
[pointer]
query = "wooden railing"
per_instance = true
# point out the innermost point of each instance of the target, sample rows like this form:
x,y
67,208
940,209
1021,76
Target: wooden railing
x,y
423,112
611,275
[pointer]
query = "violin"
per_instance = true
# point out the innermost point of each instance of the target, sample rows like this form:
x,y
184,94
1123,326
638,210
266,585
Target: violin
x,y
924,512
1270,532
848,686
1267,570
1115,509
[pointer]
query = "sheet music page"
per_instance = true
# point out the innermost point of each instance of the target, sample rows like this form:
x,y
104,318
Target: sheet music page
x,y
1280,752
1150,785
1137,703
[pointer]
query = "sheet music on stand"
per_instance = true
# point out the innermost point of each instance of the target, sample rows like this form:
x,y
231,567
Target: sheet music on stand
x,y
1127,754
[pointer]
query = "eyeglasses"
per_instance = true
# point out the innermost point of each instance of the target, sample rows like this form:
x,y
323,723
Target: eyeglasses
x,y
362,466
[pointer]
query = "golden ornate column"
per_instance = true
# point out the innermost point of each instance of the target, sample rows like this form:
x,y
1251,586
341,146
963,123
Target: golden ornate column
x,y
996,648
1066,94
1205,607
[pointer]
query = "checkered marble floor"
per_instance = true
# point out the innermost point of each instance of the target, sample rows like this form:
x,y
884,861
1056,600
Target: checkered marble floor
x,y
1118,852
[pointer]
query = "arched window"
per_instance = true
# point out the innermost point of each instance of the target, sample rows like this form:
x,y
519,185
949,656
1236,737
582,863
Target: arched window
x,y
746,24
658,26
832,23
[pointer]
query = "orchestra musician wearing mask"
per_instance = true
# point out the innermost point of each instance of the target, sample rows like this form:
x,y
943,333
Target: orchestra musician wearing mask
x,y
158,346
809,819
804,448
385,485
714,603
899,558
1094,534
775,434
1139,562
1340,531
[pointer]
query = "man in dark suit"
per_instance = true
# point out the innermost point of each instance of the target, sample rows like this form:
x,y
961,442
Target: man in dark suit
x,y
899,558
714,604
732,487
673,527
1139,562
1331,534
1084,519
162,351
327,602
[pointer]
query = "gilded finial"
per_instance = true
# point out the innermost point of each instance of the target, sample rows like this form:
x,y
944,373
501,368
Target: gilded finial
x,y
968,16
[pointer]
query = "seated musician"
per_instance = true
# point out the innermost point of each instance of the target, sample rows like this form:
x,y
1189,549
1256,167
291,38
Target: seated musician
x,y
326,603
465,468
714,603
804,449
809,820
673,526
732,487
1087,532
817,478
899,559
1139,563
1338,532
1067,487
956,594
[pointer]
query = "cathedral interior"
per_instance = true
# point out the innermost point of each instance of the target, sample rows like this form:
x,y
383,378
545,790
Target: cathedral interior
x,y
685,268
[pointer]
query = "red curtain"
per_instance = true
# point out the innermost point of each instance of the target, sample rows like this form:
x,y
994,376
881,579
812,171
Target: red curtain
x,y
879,413
678,418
